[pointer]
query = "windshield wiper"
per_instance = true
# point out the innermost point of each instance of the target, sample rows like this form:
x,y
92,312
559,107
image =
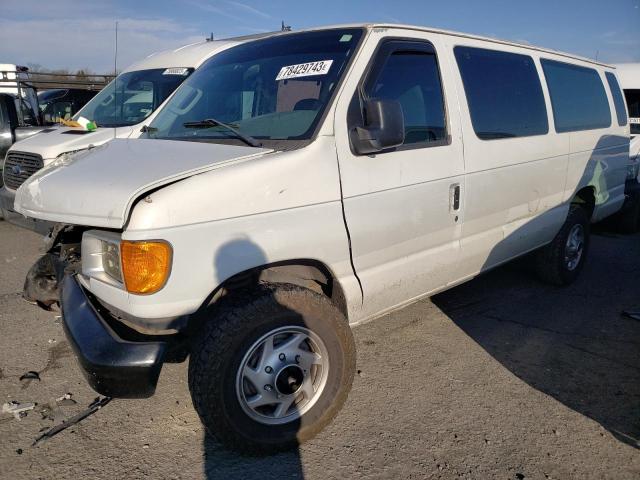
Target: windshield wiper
x,y
211,122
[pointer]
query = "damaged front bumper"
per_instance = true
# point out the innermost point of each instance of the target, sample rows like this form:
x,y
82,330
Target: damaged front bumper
x,y
114,366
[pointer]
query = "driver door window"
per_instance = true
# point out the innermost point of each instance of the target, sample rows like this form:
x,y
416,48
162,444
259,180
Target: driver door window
x,y
411,76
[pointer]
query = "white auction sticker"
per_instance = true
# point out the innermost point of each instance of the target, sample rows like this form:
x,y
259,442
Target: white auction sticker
x,y
176,71
304,70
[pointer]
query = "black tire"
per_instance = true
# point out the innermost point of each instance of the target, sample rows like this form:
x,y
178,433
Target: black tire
x,y
229,330
550,262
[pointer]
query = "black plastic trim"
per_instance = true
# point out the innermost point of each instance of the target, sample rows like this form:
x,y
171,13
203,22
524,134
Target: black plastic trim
x,y
113,366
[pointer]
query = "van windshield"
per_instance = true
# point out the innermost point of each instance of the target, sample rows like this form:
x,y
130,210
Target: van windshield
x,y
633,105
275,88
132,96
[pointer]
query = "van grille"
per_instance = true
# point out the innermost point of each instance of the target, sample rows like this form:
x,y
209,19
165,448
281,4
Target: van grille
x,y
19,166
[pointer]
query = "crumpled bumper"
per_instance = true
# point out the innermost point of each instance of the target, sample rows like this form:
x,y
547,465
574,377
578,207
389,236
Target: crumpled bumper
x,y
113,366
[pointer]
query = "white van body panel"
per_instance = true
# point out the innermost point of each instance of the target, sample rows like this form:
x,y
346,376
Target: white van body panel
x,y
253,201
405,239
113,176
382,224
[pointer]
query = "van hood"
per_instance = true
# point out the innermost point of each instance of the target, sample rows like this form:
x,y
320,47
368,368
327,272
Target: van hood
x,y
55,141
98,187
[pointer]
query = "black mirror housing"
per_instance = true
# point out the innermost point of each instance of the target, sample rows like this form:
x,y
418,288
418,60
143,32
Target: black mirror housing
x,y
383,129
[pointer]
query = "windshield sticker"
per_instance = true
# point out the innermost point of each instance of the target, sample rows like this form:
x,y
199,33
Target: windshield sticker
x,y
176,71
304,70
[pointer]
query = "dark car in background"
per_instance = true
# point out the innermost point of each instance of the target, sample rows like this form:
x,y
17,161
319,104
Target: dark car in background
x,y
62,103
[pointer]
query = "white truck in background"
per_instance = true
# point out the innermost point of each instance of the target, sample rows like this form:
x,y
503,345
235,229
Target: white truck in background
x,y
19,111
120,110
628,219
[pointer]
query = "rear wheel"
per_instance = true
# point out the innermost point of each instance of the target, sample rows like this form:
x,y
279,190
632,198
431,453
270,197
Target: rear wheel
x,y
561,261
271,368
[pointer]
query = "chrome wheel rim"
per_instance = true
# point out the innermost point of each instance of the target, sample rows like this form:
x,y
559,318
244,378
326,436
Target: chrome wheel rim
x,y
282,375
574,248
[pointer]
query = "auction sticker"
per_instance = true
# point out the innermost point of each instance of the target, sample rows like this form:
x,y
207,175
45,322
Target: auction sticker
x,y
304,70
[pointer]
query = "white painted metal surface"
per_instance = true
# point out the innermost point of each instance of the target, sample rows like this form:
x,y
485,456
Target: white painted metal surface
x,y
235,208
97,187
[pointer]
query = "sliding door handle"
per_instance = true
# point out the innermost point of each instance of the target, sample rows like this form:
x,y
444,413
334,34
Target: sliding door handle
x,y
454,197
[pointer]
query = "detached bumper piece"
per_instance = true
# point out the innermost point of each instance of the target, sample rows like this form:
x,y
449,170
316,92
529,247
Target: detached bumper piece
x,y
113,366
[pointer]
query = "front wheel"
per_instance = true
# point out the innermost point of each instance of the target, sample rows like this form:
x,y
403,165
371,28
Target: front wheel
x,y
271,368
561,261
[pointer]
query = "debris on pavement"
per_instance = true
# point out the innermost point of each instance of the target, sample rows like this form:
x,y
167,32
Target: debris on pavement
x,y
65,400
632,315
51,411
30,375
17,409
96,405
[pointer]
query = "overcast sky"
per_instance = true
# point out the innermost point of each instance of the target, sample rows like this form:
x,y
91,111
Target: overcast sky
x,y
80,34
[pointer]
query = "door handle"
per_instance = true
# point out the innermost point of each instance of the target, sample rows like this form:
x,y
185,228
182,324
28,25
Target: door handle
x,y
454,197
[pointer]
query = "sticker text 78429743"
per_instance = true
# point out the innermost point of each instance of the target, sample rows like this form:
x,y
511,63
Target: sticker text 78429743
x,y
304,69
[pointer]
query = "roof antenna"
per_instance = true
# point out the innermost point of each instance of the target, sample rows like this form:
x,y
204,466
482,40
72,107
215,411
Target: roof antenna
x,y
597,53
209,38
115,82
285,28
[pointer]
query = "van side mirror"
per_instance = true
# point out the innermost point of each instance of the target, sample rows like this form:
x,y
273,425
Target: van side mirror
x,y
384,127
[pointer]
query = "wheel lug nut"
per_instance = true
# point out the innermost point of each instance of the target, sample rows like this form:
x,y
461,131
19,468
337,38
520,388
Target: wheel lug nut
x,y
282,357
268,369
268,388
297,358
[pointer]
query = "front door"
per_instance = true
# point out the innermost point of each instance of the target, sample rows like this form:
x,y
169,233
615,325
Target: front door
x,y
403,207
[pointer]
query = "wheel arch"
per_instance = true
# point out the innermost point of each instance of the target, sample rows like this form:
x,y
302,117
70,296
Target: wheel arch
x,y
306,273
586,198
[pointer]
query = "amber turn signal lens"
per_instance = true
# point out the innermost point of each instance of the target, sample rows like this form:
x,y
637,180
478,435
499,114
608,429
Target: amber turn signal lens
x,y
145,265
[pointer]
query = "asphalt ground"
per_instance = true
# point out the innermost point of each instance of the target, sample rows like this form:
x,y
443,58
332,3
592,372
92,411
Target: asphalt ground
x,y
502,377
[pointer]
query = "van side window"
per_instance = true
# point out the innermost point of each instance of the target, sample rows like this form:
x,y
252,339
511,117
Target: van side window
x,y
411,77
618,100
503,92
578,97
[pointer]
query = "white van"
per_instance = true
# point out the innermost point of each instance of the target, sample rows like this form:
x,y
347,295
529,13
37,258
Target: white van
x,y
303,183
628,219
120,111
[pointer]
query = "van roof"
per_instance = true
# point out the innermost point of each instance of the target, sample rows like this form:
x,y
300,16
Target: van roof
x,y
452,33
189,56
629,75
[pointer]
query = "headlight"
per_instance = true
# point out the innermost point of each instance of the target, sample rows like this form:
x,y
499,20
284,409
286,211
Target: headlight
x,y
145,265
111,260
139,267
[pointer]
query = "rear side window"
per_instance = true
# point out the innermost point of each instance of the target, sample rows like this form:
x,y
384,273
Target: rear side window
x,y
618,101
503,92
412,78
577,96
